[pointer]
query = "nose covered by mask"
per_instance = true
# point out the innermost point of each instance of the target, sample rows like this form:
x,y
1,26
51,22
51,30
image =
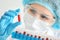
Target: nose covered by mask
x,y
39,24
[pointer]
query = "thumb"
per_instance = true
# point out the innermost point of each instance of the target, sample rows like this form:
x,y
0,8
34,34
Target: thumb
x,y
16,24
12,26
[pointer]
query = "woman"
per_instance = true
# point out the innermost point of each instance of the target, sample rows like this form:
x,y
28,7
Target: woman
x,y
42,17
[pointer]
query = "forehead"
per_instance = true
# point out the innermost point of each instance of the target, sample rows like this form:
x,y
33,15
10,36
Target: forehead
x,y
41,8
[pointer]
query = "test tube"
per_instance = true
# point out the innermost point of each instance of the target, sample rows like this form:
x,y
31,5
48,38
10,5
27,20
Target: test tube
x,y
19,19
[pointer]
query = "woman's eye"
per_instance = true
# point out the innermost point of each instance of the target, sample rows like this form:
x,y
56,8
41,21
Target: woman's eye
x,y
43,16
33,11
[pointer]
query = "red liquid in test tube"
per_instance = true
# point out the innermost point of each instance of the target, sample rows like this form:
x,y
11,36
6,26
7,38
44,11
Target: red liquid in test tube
x,y
19,19
46,38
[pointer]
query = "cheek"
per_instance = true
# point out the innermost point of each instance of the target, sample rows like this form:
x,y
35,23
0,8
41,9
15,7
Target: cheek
x,y
51,20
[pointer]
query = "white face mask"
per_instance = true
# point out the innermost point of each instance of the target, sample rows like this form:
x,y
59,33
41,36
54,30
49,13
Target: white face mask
x,y
33,23
42,27
38,24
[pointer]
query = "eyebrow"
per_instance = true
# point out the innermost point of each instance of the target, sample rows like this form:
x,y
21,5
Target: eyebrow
x,y
32,10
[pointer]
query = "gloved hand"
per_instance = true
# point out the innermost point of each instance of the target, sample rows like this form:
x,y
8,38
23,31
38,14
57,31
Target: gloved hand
x,y
6,25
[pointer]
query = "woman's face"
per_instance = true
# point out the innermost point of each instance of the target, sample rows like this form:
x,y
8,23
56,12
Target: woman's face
x,y
41,13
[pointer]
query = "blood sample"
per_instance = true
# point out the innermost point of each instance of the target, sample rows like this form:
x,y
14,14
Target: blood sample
x,y
19,19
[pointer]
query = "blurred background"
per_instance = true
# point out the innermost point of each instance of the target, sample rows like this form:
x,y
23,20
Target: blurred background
x,y
9,4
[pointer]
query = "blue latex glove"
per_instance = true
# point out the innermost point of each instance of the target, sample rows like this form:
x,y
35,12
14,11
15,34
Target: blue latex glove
x,y
6,25
21,36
